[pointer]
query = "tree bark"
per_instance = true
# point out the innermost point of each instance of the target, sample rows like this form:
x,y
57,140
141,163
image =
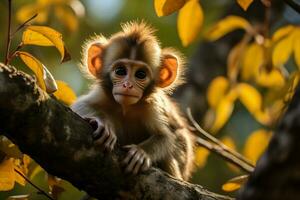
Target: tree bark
x,y
277,175
60,141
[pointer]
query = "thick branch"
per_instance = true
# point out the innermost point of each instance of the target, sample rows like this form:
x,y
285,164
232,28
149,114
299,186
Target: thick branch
x,y
276,176
60,141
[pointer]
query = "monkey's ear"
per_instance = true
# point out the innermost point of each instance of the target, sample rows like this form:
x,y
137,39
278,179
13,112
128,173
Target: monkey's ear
x,y
168,71
94,58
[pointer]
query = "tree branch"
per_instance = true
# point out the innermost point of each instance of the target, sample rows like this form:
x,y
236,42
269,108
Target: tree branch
x,y
293,5
276,176
60,141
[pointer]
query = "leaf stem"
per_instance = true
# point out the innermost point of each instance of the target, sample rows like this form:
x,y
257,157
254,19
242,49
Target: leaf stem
x,y
8,33
216,146
33,185
24,24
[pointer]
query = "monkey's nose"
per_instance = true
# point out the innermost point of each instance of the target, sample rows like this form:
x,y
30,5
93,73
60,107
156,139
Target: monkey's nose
x,y
127,85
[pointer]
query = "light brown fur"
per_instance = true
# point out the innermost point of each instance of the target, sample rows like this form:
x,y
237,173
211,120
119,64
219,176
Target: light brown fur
x,y
154,124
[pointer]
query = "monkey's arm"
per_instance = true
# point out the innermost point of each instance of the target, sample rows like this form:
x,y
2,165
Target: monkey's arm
x,y
103,135
156,148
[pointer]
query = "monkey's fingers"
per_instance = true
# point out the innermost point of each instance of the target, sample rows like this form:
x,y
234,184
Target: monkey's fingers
x,y
107,144
103,138
113,143
130,154
133,162
146,164
139,165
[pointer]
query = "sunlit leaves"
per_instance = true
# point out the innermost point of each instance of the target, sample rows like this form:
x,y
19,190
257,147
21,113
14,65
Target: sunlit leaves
x,y
44,36
253,60
286,41
67,17
244,3
282,51
35,65
44,77
256,144
72,8
282,32
217,90
201,155
226,25
10,150
167,7
235,183
297,47
65,93
224,110
189,22
273,78
234,60
7,175
250,97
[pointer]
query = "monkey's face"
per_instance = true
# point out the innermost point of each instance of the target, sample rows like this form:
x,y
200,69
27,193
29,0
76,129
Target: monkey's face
x,y
129,78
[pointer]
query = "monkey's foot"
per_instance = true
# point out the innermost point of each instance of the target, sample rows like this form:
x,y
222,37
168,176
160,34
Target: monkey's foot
x,y
136,160
103,136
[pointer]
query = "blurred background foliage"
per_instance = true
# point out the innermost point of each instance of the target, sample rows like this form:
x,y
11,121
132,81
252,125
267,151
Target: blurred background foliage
x,y
238,84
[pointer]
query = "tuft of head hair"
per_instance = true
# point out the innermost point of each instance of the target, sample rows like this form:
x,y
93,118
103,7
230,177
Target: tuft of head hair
x,y
180,78
141,34
139,31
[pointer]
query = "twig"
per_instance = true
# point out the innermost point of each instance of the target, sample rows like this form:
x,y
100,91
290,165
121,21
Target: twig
x,y
32,184
8,33
218,147
293,5
24,24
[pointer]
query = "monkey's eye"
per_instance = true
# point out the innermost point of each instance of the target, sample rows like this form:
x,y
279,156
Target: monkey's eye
x,y
140,74
121,71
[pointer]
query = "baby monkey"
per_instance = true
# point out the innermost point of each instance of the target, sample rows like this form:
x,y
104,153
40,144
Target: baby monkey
x,y
129,101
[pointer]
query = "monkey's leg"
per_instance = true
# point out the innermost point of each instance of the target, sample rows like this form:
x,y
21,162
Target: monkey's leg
x,y
171,166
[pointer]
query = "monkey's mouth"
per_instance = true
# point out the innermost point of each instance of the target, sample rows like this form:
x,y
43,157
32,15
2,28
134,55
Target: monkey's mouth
x,y
126,95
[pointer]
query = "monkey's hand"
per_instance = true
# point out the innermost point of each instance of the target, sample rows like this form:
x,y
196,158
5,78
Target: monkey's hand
x,y
103,135
136,160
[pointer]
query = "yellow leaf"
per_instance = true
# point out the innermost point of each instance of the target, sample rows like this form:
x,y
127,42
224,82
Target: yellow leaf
x,y
244,3
44,36
235,183
201,155
282,32
27,11
256,144
35,65
189,21
250,97
297,47
19,179
67,17
223,111
270,79
167,7
234,60
227,25
65,93
35,171
252,61
217,90
7,175
282,51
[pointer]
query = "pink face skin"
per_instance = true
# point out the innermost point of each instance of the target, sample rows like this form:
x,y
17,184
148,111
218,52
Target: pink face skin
x,y
130,78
